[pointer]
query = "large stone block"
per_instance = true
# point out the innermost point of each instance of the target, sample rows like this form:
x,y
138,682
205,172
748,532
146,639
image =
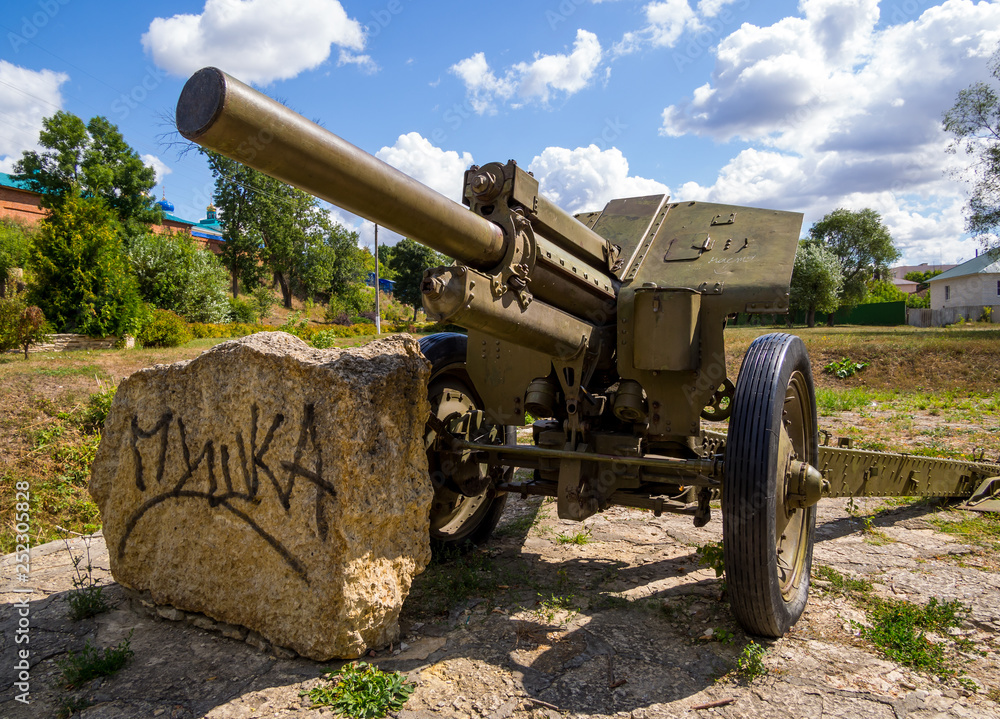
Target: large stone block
x,y
275,486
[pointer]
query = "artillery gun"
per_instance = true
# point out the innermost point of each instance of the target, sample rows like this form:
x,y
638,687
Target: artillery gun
x,y
607,329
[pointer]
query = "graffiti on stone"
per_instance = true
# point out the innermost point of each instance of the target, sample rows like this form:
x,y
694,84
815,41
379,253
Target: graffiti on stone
x,y
241,486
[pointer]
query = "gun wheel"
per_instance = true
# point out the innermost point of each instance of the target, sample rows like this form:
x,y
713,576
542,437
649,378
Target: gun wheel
x,y
767,538
466,507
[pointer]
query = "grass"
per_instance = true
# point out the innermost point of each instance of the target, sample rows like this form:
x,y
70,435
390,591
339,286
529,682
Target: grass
x,y
580,538
86,598
899,630
981,528
456,576
361,691
92,662
840,583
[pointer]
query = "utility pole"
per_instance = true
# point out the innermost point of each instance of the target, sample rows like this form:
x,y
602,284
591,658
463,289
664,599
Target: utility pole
x,y
378,310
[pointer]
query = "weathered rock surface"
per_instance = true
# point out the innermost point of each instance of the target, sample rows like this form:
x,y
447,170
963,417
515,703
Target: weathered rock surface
x,y
273,486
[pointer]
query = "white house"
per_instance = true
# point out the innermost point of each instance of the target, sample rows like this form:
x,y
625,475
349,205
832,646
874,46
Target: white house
x,y
975,283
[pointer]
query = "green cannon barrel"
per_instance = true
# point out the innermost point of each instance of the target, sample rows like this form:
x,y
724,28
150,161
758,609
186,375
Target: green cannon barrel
x,y
221,113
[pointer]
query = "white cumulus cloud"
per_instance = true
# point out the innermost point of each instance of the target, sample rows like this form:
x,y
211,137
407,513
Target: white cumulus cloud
x,y
255,40
26,98
586,178
159,166
441,170
527,81
845,111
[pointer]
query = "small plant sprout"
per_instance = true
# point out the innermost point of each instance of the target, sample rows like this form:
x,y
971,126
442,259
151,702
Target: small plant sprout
x,y
362,691
93,662
751,665
578,538
711,555
844,368
85,599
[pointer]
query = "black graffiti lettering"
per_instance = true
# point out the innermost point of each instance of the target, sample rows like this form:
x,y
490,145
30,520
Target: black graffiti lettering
x,y
137,433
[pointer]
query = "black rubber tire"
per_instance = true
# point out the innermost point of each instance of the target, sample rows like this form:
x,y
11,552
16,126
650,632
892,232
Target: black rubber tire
x,y
446,352
768,596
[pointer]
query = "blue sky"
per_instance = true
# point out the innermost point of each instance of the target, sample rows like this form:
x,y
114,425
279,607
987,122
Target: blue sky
x,y
806,107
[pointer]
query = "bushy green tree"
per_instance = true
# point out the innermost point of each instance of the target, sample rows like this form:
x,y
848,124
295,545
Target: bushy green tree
x,y
816,281
974,121
81,277
883,291
862,244
409,260
89,160
272,228
175,274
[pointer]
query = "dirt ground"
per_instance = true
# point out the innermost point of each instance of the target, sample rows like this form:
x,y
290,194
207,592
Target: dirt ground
x,y
627,624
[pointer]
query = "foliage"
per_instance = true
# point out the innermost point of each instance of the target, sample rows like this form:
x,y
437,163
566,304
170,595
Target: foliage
x,y
82,280
241,310
974,122
883,291
200,330
817,281
96,412
351,301
711,555
175,274
408,261
326,339
844,368
863,245
751,665
922,278
167,329
362,691
273,228
16,239
21,324
263,300
839,583
92,662
580,538
898,628
91,160
86,598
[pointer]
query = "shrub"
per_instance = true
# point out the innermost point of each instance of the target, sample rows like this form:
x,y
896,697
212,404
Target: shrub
x,y
241,310
21,325
16,239
325,339
167,329
175,274
82,280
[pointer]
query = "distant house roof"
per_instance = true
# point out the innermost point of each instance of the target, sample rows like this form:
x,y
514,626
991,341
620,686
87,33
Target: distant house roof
x,y
7,180
986,263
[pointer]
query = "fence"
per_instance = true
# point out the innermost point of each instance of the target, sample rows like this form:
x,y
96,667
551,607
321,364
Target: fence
x,y
951,315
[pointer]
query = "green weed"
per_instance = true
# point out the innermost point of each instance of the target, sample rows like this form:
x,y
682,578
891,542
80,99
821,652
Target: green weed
x,y
711,555
85,599
549,607
873,535
982,528
751,665
361,691
844,368
577,538
840,583
898,628
92,662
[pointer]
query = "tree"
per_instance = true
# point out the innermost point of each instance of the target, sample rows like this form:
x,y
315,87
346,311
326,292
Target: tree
x,y
15,248
408,261
91,160
816,281
21,325
974,121
175,274
862,244
273,228
922,278
81,279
